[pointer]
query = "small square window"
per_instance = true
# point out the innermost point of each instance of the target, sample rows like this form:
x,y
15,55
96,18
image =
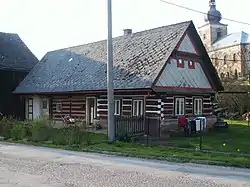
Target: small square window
x,y
180,63
58,107
45,104
191,64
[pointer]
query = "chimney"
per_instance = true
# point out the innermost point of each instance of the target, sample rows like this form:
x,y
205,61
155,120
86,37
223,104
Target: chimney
x,y
127,32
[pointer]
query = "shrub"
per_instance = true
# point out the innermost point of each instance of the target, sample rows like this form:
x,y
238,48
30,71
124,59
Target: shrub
x,y
6,126
41,130
18,131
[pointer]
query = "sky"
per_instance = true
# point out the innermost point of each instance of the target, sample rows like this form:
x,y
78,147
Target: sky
x,y
46,25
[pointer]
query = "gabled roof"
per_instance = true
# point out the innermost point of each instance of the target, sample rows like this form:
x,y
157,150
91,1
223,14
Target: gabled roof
x,y
14,54
232,39
138,60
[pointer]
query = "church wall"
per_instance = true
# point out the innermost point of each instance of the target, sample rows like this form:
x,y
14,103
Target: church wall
x,y
246,59
229,65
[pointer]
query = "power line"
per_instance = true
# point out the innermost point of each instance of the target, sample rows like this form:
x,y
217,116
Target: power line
x,y
197,11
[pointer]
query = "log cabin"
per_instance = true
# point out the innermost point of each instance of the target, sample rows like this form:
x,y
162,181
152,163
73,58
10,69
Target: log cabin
x,y
16,60
164,72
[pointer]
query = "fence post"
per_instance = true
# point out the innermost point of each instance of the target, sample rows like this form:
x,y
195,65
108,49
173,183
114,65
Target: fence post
x,y
200,135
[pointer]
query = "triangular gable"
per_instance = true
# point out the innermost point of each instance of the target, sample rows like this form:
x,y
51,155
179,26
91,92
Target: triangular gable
x,y
186,45
175,76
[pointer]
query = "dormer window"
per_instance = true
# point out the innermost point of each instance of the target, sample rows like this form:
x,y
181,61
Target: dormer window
x,y
180,63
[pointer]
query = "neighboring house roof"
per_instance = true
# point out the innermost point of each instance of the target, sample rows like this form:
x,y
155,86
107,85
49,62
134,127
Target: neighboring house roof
x,y
232,39
138,60
14,54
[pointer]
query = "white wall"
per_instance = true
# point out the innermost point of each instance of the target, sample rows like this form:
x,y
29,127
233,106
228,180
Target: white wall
x,y
38,109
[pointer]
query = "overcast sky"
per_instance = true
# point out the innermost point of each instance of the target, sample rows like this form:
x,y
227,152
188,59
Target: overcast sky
x,y
46,25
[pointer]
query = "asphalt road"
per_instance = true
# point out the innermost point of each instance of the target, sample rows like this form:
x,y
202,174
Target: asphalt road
x,y
28,166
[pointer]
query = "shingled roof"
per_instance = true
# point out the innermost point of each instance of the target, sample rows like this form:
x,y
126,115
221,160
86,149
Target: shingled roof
x,y
138,59
14,54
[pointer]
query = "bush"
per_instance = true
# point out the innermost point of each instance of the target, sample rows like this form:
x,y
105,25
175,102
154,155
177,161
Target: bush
x,y
18,131
42,130
6,126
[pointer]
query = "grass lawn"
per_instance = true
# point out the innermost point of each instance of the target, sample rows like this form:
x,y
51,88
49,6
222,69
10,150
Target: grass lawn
x,y
235,139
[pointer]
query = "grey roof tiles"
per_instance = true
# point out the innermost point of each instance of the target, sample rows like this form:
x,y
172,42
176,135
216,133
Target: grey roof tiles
x,y
138,59
14,54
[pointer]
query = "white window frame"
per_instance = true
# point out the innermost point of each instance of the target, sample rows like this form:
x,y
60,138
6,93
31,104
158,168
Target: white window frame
x,y
117,105
181,102
136,104
58,107
198,106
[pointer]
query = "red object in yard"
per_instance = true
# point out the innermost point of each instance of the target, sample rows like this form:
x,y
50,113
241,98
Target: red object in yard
x,y
182,122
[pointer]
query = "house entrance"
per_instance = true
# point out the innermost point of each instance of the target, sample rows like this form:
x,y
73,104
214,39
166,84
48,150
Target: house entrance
x,y
90,110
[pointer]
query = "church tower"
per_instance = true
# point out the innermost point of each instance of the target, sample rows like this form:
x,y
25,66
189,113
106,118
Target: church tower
x,y
213,30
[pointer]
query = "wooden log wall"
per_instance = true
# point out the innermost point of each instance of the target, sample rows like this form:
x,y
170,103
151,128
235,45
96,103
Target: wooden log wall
x,y
153,105
102,107
74,105
168,105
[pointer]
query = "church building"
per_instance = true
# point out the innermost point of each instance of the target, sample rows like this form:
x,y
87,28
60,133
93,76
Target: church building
x,y
229,52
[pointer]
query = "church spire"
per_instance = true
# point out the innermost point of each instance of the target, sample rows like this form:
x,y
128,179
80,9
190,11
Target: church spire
x,y
213,15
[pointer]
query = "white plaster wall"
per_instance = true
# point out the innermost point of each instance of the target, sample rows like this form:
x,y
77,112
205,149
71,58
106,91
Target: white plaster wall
x,y
38,110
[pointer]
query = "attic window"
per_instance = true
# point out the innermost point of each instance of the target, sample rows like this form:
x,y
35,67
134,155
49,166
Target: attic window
x,y
191,64
180,63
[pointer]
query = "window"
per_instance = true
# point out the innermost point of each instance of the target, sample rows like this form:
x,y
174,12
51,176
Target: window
x,y
117,107
218,34
58,107
179,106
137,108
222,75
45,104
180,63
235,74
216,62
204,36
225,59
197,106
228,74
234,57
191,64
30,108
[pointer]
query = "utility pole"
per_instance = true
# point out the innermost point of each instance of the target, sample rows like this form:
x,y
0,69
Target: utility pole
x,y
111,122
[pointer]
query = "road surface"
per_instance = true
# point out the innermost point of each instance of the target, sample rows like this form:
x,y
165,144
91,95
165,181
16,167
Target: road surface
x,y
28,166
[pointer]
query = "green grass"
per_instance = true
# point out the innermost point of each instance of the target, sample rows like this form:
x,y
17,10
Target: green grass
x,y
236,139
153,152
